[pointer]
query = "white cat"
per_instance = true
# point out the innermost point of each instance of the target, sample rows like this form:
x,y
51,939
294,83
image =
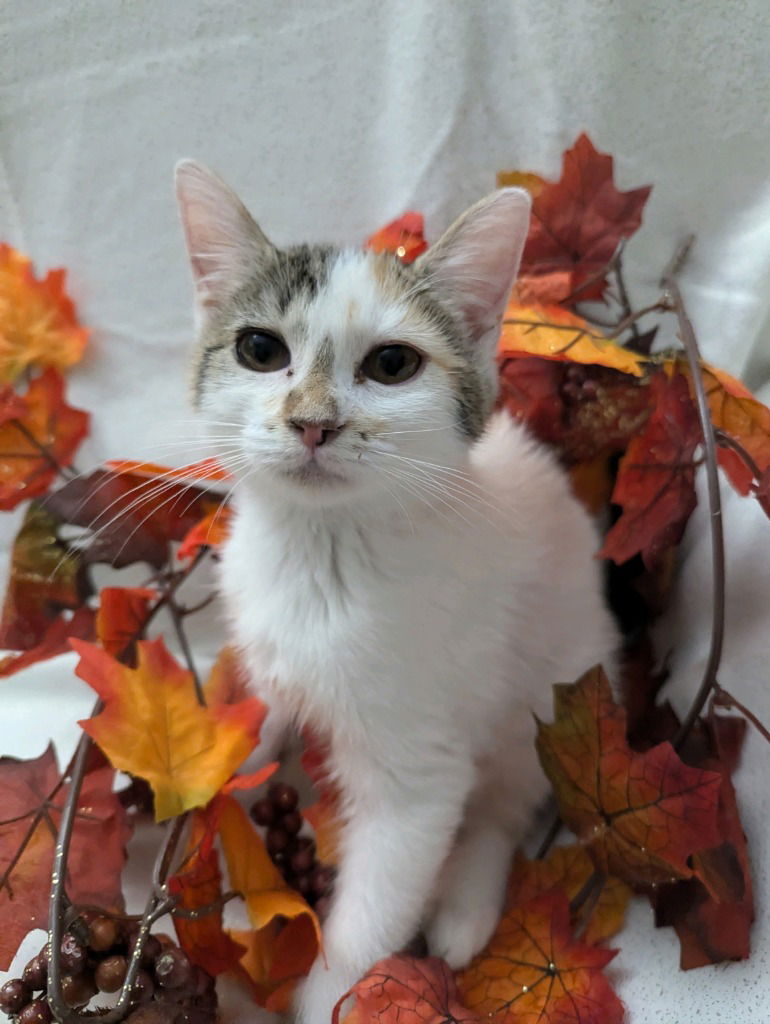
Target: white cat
x,y
406,573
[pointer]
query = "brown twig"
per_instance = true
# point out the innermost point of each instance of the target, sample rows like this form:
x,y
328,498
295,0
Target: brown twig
x,y
584,903
724,699
708,681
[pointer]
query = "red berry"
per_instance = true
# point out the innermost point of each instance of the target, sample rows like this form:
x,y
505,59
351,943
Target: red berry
x,y
263,812
291,822
13,996
321,880
111,973
173,969
72,956
203,984
283,797
155,1013
103,934
36,1012
302,884
35,974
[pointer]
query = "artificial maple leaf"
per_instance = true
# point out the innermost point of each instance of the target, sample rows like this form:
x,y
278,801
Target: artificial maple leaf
x,y
31,797
123,613
205,469
276,957
640,815
555,333
324,815
228,681
568,869
210,532
38,325
55,641
712,912
132,517
403,990
46,577
533,971
403,236
198,887
578,222
252,872
36,444
655,486
152,726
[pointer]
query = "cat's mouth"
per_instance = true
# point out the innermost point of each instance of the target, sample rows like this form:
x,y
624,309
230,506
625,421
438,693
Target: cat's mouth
x,y
312,473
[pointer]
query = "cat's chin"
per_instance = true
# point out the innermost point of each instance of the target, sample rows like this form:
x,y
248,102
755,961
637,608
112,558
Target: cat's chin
x,y
314,483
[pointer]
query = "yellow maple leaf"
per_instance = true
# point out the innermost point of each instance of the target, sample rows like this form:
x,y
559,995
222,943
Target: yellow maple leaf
x,y
38,324
152,726
551,332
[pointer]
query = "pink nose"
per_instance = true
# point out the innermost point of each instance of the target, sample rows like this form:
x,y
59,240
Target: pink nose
x,y
313,435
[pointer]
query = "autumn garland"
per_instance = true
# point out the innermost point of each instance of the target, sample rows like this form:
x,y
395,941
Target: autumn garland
x,y
631,428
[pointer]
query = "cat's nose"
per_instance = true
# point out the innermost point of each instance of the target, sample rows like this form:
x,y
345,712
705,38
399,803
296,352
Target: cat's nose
x,y
313,434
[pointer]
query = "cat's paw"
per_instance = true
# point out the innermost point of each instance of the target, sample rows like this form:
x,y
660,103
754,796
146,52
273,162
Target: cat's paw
x,y
457,933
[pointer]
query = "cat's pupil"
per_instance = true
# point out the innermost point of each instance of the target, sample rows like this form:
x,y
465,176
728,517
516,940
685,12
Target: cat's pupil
x,y
392,364
260,351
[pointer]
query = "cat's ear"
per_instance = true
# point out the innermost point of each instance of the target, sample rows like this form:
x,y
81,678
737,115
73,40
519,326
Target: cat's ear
x,y
223,240
476,261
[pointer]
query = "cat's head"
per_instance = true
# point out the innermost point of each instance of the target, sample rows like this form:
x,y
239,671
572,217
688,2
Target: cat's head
x,y
328,374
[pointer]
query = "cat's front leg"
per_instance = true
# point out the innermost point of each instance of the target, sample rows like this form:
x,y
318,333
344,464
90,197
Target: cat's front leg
x,y
398,835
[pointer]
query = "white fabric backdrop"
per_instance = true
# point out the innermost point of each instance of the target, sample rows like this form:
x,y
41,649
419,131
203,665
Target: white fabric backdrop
x,y
332,119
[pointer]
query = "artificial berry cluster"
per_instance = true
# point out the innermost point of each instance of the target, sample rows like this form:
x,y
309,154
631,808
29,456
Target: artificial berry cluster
x,y
294,855
94,957
579,384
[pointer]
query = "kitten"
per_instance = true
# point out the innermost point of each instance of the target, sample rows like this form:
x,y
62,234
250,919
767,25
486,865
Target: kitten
x,y
407,572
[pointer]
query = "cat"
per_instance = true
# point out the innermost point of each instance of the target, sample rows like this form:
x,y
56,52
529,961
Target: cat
x,y
407,571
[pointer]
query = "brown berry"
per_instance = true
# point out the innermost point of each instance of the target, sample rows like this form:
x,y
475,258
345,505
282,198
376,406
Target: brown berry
x,y
35,974
103,934
173,969
322,907
152,949
155,1013
291,822
263,812
283,797
111,973
276,841
303,859
77,989
302,884
321,880
203,984
72,956
196,1015
14,994
36,1012
143,989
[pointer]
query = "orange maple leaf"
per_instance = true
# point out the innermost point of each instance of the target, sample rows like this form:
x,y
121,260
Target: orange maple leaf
x,y
568,869
38,325
403,990
39,434
534,972
212,530
403,236
153,726
198,891
641,816
554,333
205,469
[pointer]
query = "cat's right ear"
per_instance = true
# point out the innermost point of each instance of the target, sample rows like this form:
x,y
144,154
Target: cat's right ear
x,y
223,240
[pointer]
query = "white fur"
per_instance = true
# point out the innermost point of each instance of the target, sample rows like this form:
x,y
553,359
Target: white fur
x,y
414,605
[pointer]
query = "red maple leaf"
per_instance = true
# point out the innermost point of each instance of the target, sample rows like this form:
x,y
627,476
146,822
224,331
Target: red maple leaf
x,y
655,486
403,990
404,237
31,797
641,815
578,222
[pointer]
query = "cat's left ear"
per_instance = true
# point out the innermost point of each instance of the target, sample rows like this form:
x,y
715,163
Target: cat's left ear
x,y
224,242
476,261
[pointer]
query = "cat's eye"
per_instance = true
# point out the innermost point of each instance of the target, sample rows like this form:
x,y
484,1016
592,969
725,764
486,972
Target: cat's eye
x,y
261,351
391,364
